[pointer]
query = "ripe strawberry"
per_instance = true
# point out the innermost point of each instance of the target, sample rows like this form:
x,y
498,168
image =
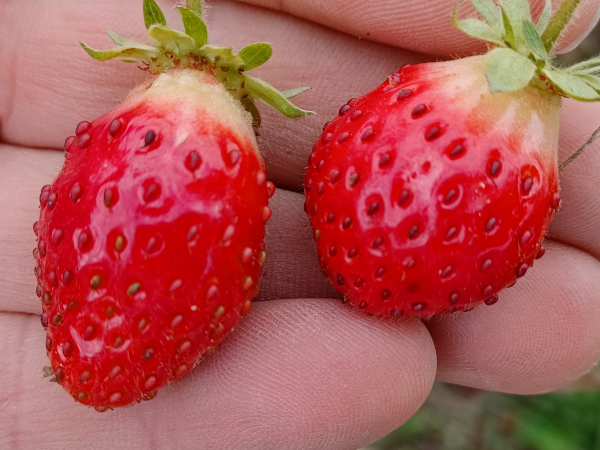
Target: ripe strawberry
x,y
151,239
434,192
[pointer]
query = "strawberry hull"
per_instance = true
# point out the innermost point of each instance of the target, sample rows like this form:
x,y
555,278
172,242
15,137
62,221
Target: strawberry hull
x,y
429,195
151,240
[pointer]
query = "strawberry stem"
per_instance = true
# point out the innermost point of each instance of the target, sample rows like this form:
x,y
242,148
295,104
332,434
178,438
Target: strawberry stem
x,y
583,148
558,22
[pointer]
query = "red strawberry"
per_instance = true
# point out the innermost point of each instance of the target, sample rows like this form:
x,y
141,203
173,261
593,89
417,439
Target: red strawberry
x,y
434,192
151,239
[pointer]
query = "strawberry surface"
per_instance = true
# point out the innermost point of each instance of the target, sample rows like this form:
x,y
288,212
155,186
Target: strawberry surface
x,y
151,240
430,194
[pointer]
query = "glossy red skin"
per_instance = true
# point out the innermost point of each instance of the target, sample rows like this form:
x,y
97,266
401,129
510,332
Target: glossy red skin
x,y
218,195
422,273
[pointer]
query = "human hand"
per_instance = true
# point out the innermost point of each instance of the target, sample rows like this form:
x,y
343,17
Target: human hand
x,y
301,371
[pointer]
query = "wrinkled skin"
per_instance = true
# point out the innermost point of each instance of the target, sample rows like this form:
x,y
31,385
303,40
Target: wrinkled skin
x,y
302,370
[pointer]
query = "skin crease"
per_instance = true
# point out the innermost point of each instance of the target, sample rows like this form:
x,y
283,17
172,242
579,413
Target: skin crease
x,y
301,371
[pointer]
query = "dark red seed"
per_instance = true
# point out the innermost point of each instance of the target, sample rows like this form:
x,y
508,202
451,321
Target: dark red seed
x,y
527,184
109,197
377,242
450,196
56,320
44,320
343,137
380,272
38,272
487,291
356,115
334,176
413,232
48,343
404,94
373,208
395,313
326,138
305,207
541,252
340,280
84,140
76,192
320,188
330,218
347,223
36,253
446,272
51,200
325,127
490,224
367,135
192,232
308,185
47,299
344,109
522,270
69,142
72,305
39,291
82,127
152,192
353,253
67,349
89,332
332,251
53,279
320,165
451,233
84,241
385,294
192,161
359,282
115,126
456,151
85,376
495,167
149,138
453,298
419,306
404,197
150,351
412,288
486,264
36,228
42,247
384,160
67,277
419,110
354,179
555,201
59,374
493,299
433,133
153,245
57,236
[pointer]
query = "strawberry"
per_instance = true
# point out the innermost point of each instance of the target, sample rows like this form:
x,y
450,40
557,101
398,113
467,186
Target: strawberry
x,y
151,239
432,193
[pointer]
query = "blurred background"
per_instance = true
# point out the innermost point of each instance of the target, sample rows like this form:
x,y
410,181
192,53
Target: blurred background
x,y
459,418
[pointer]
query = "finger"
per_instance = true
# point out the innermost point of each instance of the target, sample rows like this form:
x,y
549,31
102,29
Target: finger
x,y
41,108
541,335
296,374
412,24
577,221
291,270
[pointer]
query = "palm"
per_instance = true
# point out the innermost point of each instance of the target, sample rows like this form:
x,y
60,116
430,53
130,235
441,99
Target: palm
x,y
301,371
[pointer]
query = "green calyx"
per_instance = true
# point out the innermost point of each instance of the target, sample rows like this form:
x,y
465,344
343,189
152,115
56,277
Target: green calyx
x,y
521,51
173,48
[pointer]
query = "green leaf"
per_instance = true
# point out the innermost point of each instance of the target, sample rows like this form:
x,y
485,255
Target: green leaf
x,y
129,54
172,41
153,15
516,11
294,92
477,29
558,22
542,22
584,65
533,40
508,31
195,6
249,105
572,85
592,80
194,26
124,42
273,98
255,55
490,13
507,70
